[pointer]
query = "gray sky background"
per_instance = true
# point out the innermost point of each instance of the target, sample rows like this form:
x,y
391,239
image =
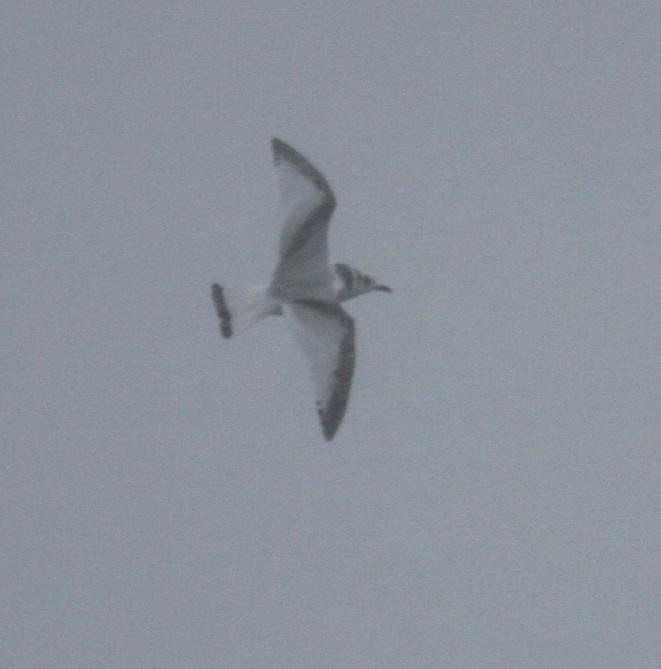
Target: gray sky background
x,y
492,498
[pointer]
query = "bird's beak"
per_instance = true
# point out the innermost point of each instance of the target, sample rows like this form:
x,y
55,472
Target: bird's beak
x,y
384,289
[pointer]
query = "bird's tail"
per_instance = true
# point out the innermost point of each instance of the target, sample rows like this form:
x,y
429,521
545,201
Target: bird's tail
x,y
239,309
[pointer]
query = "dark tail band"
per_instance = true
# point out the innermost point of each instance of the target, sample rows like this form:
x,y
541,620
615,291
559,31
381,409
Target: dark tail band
x,y
222,311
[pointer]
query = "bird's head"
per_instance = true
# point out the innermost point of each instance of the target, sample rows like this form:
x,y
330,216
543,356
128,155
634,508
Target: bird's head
x,y
349,282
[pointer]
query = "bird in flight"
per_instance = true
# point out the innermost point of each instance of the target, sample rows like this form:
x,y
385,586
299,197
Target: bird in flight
x,y
306,287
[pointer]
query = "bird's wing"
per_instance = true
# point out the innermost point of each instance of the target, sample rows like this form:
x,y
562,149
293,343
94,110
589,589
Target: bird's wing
x,y
326,333
308,202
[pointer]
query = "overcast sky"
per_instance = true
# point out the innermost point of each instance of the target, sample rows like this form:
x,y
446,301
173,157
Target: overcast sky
x,y
492,499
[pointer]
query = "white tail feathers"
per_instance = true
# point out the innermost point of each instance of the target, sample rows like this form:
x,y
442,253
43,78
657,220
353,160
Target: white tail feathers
x,y
238,309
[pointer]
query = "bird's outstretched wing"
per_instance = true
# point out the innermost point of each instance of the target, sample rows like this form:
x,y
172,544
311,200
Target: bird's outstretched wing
x,y
326,333
308,202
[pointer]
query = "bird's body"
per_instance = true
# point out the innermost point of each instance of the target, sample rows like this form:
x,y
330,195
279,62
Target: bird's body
x,y
306,288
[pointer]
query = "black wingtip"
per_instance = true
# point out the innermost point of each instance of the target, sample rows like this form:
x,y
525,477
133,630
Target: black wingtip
x,y
282,151
222,311
329,428
278,145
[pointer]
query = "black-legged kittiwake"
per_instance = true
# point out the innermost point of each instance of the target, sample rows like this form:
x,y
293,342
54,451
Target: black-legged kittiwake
x,y
306,288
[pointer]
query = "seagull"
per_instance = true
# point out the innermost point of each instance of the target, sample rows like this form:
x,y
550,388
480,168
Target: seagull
x,y
306,287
